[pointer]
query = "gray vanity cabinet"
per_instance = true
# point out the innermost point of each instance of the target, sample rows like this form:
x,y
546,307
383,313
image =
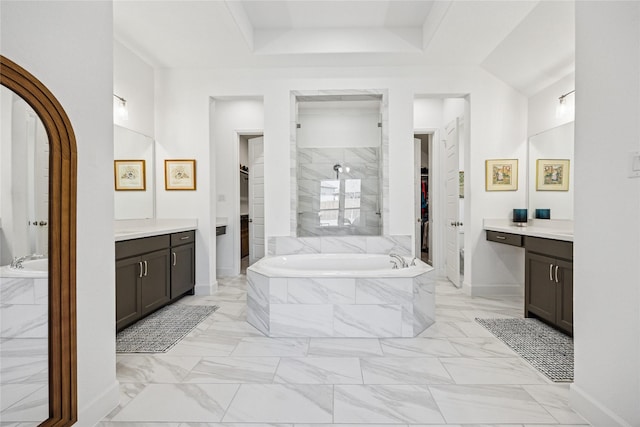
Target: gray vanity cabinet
x,y
549,281
183,263
142,278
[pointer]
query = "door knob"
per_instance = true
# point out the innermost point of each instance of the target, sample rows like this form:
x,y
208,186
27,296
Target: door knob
x,y
250,220
419,220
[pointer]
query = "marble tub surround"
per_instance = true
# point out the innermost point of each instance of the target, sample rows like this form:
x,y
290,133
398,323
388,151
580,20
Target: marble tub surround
x,y
557,229
339,303
284,245
228,375
138,228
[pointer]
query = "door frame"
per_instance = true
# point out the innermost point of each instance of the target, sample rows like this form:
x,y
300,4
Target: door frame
x,y
235,221
436,199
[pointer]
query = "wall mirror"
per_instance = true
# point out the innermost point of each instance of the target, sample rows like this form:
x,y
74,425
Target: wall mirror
x,y
550,172
37,253
339,165
134,202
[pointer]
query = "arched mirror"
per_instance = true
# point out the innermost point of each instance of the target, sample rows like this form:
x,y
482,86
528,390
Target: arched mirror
x,y
37,253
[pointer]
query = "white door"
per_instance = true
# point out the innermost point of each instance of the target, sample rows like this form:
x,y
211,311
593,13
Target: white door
x,y
452,252
256,199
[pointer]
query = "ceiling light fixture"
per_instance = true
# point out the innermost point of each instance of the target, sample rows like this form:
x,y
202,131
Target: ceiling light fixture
x,y
561,108
122,110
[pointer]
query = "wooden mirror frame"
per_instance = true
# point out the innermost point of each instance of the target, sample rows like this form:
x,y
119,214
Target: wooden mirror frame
x,y
63,407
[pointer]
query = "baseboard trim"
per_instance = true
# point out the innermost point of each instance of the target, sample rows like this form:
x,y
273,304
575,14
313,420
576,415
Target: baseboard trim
x,y
593,411
493,290
206,288
92,413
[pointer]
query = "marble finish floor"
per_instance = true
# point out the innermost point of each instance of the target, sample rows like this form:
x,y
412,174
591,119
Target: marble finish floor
x,y
226,373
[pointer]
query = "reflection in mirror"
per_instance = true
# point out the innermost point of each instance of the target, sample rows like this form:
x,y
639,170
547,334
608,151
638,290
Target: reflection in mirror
x,y
556,144
131,145
339,165
24,206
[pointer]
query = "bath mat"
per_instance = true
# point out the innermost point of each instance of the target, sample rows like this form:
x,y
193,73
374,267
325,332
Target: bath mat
x,y
161,330
547,350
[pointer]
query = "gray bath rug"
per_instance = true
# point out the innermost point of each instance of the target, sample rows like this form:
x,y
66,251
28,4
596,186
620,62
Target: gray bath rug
x,y
161,330
547,350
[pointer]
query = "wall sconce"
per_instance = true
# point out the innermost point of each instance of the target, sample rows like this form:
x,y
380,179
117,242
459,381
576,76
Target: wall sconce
x,y
122,110
561,108
339,169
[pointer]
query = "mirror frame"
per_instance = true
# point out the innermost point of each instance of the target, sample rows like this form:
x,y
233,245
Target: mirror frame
x,y
63,406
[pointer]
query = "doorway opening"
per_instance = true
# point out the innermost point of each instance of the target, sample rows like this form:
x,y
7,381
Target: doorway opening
x,y
423,231
251,199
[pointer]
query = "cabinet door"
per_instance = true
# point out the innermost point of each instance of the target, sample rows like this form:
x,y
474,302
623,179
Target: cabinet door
x,y
183,277
155,280
564,302
540,286
128,276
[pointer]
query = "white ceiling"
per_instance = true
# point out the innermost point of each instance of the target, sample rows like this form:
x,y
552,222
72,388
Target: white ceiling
x,y
528,44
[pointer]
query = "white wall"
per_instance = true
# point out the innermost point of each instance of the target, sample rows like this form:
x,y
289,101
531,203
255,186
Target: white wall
x,y
338,126
68,46
133,80
497,130
607,232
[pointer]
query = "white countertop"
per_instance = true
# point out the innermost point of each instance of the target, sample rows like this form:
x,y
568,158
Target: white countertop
x,y
221,221
557,229
137,228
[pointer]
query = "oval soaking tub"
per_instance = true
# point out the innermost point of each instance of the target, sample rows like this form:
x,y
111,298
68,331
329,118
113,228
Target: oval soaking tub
x,y
339,295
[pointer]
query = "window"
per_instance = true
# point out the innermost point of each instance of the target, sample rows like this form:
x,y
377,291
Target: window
x,y
339,202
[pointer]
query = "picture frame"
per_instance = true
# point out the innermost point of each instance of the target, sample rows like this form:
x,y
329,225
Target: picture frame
x,y
179,174
552,174
129,175
501,174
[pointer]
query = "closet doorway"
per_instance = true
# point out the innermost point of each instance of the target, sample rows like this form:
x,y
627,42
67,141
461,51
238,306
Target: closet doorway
x,y
423,233
251,199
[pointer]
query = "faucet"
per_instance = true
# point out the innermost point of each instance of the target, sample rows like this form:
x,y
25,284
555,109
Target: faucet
x,y
17,262
395,257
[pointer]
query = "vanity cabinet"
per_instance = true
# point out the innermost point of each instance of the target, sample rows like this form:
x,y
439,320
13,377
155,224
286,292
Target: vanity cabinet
x,y
142,278
549,281
183,263
151,272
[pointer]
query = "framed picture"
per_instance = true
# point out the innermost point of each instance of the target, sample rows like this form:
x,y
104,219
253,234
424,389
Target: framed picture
x,y
501,174
129,175
180,174
552,175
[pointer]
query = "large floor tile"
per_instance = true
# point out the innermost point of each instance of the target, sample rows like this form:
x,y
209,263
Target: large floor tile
x,y
319,370
282,403
179,403
486,404
482,347
264,346
33,407
235,370
205,344
345,347
492,370
366,404
555,399
418,347
403,370
147,368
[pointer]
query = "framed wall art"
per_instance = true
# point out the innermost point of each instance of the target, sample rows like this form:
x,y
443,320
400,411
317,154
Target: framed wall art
x,y
501,174
129,175
180,174
552,175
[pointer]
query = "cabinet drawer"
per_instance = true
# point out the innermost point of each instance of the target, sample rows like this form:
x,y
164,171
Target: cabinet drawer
x,y
134,247
183,238
550,247
506,238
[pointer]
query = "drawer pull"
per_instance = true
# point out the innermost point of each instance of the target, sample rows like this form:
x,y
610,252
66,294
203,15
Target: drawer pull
x,y
140,263
551,272
501,238
185,237
174,258
145,268
556,274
